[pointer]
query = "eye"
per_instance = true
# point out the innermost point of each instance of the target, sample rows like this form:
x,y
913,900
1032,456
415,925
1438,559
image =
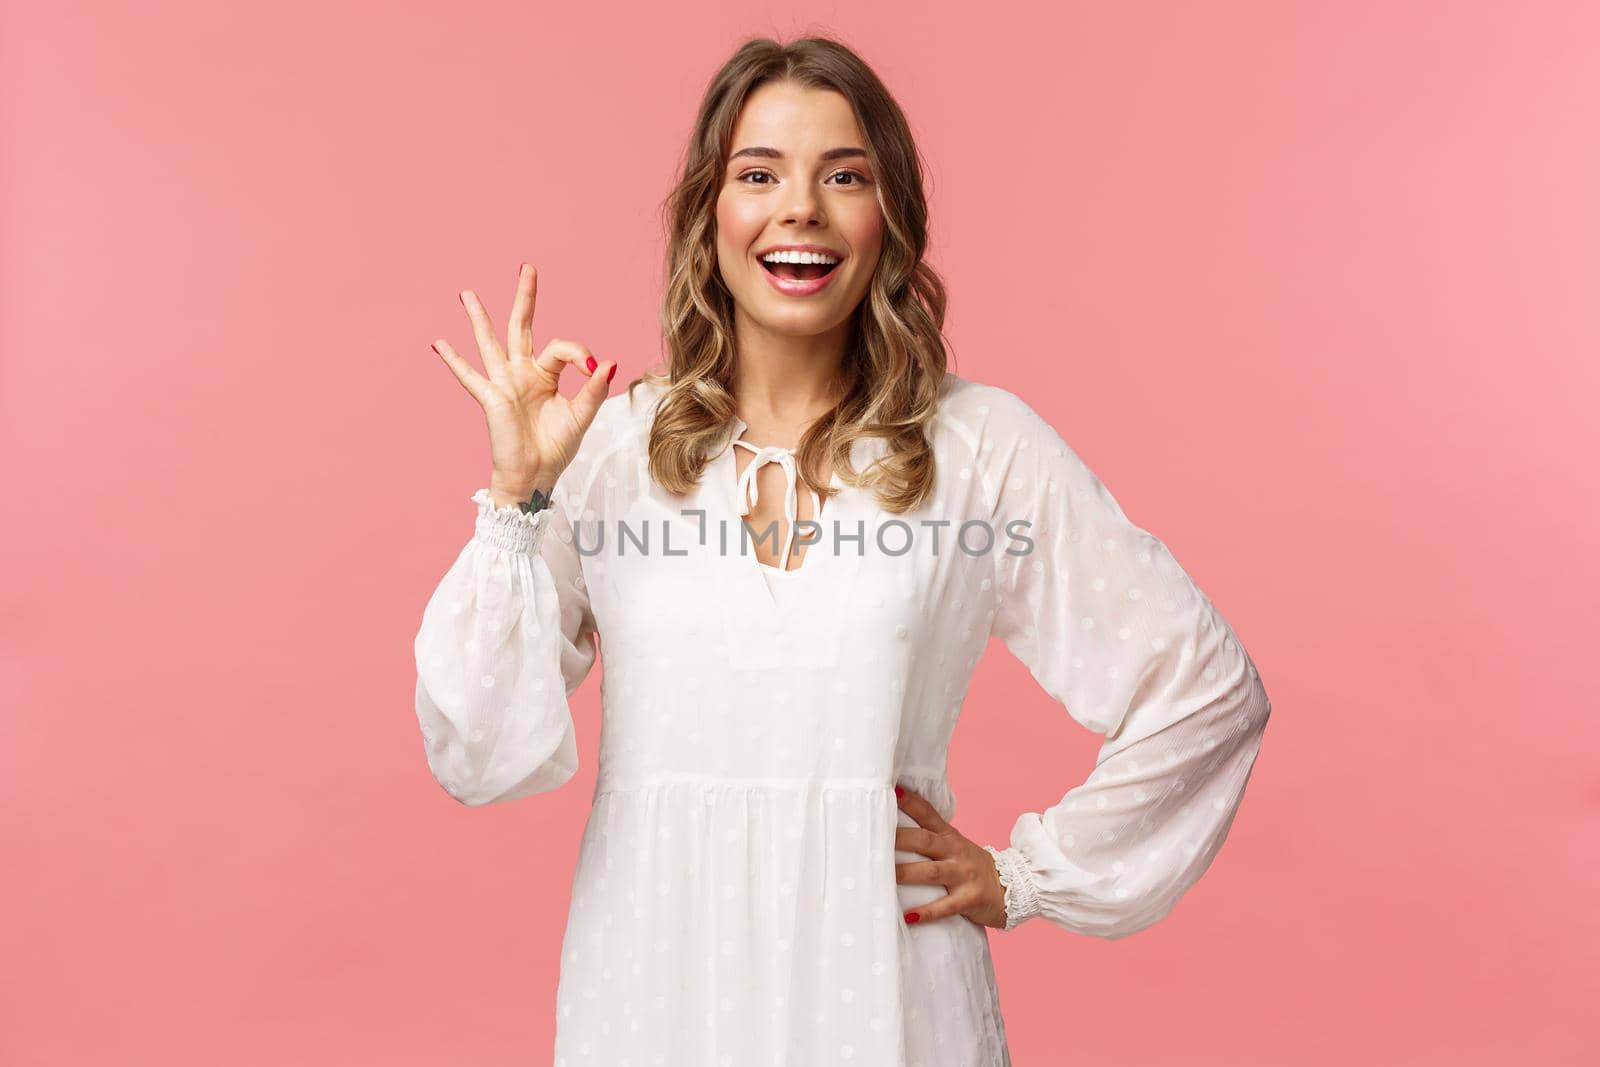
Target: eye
x,y
860,179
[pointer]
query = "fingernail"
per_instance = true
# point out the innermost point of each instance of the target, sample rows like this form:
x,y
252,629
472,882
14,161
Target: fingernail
x,y
591,364
899,792
610,374
436,350
912,916
463,298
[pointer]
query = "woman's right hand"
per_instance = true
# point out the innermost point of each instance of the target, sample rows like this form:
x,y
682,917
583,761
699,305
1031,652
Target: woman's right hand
x,y
533,430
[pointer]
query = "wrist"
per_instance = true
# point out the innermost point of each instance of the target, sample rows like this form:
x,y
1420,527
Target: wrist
x,y
507,489
1021,890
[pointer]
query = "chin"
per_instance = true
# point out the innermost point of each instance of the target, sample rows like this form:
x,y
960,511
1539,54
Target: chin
x,y
796,325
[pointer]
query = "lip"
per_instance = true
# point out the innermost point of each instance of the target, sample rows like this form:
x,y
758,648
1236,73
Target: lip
x,y
798,287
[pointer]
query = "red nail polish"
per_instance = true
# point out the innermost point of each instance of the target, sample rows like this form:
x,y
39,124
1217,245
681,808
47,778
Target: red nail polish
x,y
610,374
899,792
590,364
912,916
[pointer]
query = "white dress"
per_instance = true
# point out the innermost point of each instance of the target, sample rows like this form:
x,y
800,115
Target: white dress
x,y
735,901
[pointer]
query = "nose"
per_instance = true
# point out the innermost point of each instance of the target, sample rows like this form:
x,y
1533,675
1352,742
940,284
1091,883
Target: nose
x,y
802,205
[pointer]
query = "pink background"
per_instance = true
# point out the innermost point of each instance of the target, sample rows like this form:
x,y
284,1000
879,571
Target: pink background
x,y
1312,287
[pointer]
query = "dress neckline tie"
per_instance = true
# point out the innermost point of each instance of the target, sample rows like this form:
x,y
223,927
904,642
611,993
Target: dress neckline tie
x,y
749,492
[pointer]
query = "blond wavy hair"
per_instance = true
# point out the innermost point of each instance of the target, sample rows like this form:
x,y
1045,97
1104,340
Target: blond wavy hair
x,y
894,360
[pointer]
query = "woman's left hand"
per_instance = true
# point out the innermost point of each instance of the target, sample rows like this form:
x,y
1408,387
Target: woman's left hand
x,y
965,868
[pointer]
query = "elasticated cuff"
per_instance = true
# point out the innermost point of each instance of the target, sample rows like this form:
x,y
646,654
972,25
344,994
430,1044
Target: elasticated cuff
x,y
508,527
1022,893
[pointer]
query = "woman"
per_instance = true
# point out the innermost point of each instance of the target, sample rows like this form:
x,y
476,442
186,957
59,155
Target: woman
x,y
768,874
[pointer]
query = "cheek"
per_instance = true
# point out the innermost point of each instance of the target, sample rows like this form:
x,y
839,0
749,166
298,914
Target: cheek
x,y
864,230
731,241
867,240
737,225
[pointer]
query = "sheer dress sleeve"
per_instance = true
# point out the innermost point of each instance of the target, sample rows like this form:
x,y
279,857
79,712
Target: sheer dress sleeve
x,y
505,639
1114,629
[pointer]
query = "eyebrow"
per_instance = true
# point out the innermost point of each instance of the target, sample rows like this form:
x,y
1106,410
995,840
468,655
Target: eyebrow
x,y
827,157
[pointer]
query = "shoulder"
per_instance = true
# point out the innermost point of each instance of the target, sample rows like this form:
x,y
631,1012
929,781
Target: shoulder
x,y
609,455
1016,457
992,423
626,413
623,420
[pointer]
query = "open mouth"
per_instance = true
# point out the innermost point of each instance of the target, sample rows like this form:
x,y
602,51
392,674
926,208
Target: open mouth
x,y
798,272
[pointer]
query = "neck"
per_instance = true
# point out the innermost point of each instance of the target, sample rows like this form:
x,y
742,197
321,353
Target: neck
x,y
783,383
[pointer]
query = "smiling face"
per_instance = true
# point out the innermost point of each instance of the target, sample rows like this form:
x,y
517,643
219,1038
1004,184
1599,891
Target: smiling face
x,y
797,174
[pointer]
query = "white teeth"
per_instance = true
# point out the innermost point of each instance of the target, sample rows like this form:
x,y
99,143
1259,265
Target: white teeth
x,y
797,257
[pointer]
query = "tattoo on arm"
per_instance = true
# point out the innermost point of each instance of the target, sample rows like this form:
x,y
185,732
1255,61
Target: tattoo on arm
x,y
537,502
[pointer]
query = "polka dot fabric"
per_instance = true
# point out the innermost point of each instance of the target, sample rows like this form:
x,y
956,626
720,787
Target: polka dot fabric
x,y
735,901
1112,627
